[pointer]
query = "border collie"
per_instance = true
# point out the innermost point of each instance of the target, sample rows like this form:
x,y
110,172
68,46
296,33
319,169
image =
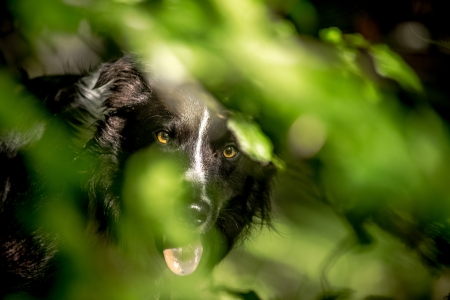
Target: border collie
x,y
98,123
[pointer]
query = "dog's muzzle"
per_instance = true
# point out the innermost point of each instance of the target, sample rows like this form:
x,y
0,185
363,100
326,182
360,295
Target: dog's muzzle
x,y
185,260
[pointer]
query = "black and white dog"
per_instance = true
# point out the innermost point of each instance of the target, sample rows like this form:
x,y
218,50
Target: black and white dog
x,y
108,118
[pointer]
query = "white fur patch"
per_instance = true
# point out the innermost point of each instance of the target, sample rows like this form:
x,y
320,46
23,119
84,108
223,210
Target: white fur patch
x,y
197,171
91,100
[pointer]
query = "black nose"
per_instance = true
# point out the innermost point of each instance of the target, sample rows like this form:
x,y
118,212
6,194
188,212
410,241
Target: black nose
x,y
198,213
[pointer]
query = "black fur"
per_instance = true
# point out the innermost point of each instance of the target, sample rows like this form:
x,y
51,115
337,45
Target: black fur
x,y
96,129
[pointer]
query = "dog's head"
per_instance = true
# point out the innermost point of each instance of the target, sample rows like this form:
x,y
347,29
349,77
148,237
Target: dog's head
x,y
228,191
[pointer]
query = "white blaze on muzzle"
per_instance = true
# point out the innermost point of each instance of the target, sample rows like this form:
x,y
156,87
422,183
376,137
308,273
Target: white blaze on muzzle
x,y
196,171
184,260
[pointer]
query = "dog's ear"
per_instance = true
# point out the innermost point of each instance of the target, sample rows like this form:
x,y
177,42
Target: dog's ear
x,y
122,88
124,84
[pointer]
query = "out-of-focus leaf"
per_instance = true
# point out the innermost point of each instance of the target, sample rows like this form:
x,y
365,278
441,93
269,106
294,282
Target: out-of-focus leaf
x,y
389,64
52,15
332,35
356,40
251,139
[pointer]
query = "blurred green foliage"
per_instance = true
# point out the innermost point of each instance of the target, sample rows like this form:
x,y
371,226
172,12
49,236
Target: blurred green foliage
x,y
356,159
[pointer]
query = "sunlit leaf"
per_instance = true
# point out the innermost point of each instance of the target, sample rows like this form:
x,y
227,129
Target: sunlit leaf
x,y
332,35
389,64
251,139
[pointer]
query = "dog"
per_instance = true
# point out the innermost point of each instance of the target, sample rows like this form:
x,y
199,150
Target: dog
x,y
100,123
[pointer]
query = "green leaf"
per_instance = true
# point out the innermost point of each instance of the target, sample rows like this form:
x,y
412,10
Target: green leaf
x,y
356,40
332,35
390,65
252,141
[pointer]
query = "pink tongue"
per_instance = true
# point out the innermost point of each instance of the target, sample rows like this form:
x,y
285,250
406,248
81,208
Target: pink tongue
x,y
184,260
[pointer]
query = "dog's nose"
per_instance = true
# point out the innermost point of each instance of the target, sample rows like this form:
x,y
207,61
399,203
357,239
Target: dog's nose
x,y
198,213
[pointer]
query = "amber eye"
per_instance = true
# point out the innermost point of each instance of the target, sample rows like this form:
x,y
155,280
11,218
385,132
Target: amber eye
x,y
163,137
229,152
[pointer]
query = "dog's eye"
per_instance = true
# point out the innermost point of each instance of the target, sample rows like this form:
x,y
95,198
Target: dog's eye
x,y
163,137
229,152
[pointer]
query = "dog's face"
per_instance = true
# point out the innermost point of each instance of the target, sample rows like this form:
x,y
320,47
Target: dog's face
x,y
227,189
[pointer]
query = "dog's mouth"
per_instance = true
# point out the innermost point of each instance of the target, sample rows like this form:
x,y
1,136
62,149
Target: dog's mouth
x,y
185,242
183,260
182,256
